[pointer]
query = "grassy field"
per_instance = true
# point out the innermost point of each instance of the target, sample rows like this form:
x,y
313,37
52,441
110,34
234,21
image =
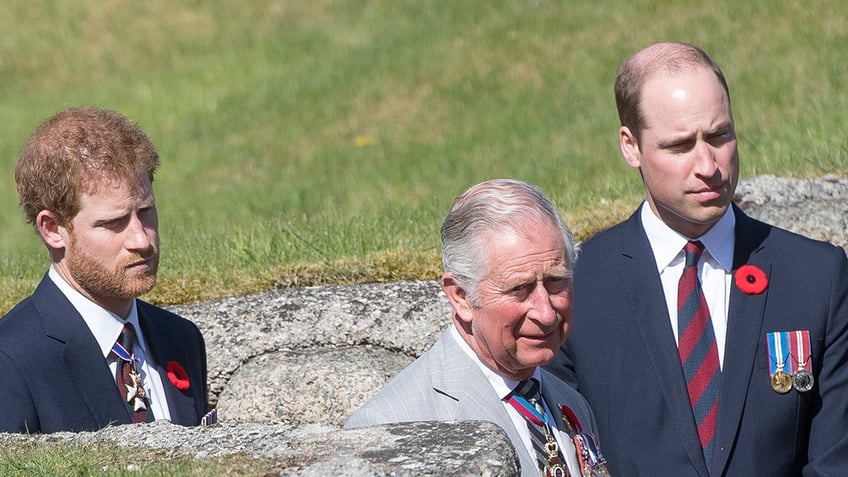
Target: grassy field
x,y
55,458
321,141
324,141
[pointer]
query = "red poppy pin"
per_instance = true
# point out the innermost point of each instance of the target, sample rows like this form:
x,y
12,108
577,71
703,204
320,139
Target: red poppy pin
x,y
178,376
751,280
569,419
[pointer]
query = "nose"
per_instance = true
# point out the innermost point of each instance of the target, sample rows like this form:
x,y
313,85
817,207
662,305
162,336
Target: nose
x,y
542,310
140,236
705,163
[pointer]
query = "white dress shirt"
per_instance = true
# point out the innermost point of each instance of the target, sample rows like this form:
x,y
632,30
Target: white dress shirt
x,y
503,386
106,327
714,268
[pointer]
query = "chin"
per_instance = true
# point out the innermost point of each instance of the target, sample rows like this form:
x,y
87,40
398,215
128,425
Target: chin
x,y
541,357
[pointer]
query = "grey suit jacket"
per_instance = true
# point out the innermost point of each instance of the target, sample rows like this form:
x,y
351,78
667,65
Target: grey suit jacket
x,y
444,384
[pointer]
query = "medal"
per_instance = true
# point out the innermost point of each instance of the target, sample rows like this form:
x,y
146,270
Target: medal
x,y
592,462
803,379
569,420
781,382
135,392
553,467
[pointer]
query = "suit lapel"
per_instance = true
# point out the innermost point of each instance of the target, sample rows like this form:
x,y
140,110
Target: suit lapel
x,y
94,383
744,333
648,303
555,395
474,395
554,400
163,349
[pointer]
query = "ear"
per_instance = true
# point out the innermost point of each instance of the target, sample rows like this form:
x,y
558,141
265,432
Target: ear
x,y
51,231
629,147
458,299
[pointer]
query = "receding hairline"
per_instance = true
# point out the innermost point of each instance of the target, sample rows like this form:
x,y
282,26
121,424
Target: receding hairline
x,y
670,58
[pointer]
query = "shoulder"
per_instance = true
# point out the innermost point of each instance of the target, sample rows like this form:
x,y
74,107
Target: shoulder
x,y
405,398
21,316
782,244
415,378
158,316
568,401
614,237
564,392
20,325
413,394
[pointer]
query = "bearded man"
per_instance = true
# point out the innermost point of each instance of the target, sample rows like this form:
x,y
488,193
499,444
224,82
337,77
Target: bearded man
x,y
82,352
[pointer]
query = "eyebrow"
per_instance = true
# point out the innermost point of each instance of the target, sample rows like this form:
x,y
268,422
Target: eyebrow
x,y
519,280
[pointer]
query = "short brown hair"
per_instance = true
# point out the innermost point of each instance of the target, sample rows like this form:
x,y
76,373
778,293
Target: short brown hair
x,y
69,153
644,64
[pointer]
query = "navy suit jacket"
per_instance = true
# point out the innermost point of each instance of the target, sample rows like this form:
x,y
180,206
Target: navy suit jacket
x,y
622,356
53,376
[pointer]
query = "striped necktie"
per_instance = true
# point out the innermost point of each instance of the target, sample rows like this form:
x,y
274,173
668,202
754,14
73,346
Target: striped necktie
x,y
128,378
527,400
697,349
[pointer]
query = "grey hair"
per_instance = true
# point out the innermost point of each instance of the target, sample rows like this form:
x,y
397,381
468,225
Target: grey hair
x,y
490,206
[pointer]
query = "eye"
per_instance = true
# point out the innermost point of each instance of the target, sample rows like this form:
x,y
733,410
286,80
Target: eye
x,y
681,147
117,224
557,285
721,137
523,290
146,211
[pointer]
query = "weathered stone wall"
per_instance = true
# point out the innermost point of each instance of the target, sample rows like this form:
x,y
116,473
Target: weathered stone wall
x,y
338,344
815,208
402,450
342,343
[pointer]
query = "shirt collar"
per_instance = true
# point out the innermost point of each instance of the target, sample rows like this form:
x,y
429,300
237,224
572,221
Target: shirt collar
x,y
667,243
502,385
103,324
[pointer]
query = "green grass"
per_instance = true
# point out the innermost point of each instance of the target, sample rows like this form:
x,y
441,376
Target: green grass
x,y
48,459
324,141
305,142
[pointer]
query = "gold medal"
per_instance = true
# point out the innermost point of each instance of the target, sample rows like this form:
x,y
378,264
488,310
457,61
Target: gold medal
x,y
803,380
780,381
555,470
553,466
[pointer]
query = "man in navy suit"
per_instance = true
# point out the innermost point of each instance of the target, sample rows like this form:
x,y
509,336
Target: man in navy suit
x,y
82,352
772,398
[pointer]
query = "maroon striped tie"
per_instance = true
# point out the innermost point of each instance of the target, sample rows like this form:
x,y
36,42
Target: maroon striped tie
x,y
128,379
697,348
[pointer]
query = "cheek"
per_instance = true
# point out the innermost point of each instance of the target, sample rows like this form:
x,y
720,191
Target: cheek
x,y
151,224
728,158
512,316
561,303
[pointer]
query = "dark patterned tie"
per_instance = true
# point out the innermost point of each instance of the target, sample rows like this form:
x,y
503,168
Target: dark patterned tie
x,y
527,400
128,379
697,348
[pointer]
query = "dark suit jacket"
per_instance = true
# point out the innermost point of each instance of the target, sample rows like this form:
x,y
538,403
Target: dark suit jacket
x,y
622,356
444,384
53,376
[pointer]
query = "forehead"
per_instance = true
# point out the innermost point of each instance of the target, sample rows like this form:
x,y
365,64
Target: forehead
x,y
684,96
100,184
106,193
524,251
